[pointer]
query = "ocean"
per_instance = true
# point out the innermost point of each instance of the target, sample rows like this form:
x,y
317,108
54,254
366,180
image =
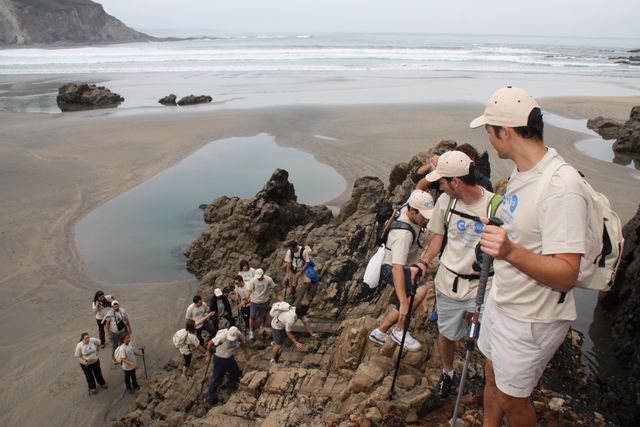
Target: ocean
x,y
322,68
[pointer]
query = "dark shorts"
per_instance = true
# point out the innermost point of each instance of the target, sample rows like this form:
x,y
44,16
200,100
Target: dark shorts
x,y
386,276
279,336
187,359
259,310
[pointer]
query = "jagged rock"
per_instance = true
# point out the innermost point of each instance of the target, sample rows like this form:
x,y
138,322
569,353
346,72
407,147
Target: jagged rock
x,y
629,138
193,99
82,96
606,128
168,100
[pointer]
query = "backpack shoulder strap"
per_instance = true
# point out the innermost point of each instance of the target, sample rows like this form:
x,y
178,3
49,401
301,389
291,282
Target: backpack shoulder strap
x,y
545,179
494,204
401,225
447,217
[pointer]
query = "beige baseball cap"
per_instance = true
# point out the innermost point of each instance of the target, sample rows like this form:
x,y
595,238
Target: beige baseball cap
x,y
233,333
423,202
450,165
259,273
509,107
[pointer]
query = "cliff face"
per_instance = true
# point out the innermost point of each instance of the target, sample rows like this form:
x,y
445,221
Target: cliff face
x,y
60,21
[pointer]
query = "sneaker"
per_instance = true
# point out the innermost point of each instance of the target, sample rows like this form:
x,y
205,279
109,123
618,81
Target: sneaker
x,y
137,387
410,343
443,388
378,337
130,391
104,386
273,362
252,336
93,391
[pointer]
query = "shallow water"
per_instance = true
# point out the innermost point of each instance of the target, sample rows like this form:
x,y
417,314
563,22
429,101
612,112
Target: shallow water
x,y
140,235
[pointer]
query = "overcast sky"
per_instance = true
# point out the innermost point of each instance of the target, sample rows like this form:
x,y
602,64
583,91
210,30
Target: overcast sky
x,y
589,18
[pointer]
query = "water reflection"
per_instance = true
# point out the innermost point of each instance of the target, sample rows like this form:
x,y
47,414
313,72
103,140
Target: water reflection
x,y
139,236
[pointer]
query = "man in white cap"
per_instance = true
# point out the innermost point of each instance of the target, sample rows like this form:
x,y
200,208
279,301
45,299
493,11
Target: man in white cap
x,y
221,308
401,251
456,229
259,291
226,342
117,326
537,252
282,327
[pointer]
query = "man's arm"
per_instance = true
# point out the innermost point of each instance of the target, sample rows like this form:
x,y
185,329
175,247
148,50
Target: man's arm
x,y
432,251
307,325
298,345
559,271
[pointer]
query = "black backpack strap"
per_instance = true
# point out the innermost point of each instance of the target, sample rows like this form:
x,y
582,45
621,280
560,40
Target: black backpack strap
x,y
454,288
447,217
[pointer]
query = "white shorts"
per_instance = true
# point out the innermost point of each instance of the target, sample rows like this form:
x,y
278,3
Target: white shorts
x,y
451,314
518,350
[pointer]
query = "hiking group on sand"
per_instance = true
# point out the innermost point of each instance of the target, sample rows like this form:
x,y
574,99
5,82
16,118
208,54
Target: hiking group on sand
x,y
542,233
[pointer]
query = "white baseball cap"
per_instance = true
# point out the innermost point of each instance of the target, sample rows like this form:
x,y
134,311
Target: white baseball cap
x,y
233,333
217,292
450,165
259,273
509,107
423,202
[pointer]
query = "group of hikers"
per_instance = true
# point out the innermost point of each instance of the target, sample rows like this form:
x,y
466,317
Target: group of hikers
x,y
529,305
526,312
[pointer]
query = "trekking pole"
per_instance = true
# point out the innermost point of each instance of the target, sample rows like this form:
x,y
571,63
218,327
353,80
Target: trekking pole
x,y
144,363
474,327
407,320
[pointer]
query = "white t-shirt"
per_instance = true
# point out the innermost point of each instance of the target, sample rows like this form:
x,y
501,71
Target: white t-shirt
x,y
460,250
125,351
196,313
400,248
247,275
224,347
189,342
552,225
102,309
88,352
298,259
242,292
113,317
261,289
286,319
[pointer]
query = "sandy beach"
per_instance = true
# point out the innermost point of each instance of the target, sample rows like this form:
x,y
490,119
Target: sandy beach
x,y
55,168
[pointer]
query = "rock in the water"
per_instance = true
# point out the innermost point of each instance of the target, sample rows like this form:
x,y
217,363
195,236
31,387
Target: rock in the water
x,y
629,138
83,96
192,100
606,128
168,100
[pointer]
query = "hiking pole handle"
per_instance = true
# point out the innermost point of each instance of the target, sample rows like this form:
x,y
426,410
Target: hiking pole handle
x,y
486,266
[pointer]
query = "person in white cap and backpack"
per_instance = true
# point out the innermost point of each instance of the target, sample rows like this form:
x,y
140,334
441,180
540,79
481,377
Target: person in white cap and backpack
x,y
402,250
225,343
537,256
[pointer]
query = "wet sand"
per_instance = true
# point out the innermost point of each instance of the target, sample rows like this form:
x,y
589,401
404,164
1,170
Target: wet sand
x,y
55,168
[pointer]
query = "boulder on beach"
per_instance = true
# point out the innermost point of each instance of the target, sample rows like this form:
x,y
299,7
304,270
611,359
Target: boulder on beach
x,y
192,100
629,138
606,128
168,100
83,96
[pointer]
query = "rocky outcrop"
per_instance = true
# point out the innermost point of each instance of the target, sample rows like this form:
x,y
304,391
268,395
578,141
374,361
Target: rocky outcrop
x,y
83,96
341,379
168,100
192,100
606,128
60,21
629,138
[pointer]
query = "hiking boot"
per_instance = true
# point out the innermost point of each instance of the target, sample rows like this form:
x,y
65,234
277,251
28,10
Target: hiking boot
x,y
443,388
410,343
378,337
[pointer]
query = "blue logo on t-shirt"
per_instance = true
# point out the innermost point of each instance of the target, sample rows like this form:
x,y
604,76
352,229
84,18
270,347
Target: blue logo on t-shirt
x,y
461,225
478,227
514,203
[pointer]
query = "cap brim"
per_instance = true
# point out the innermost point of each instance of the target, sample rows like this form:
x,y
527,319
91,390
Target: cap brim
x,y
427,213
433,176
478,121
231,337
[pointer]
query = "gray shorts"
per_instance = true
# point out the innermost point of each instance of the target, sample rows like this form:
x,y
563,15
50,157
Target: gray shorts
x,y
451,315
279,336
259,310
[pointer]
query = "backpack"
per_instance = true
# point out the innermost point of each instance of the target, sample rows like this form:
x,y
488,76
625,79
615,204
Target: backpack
x,y
119,354
278,308
492,208
180,338
387,220
604,238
